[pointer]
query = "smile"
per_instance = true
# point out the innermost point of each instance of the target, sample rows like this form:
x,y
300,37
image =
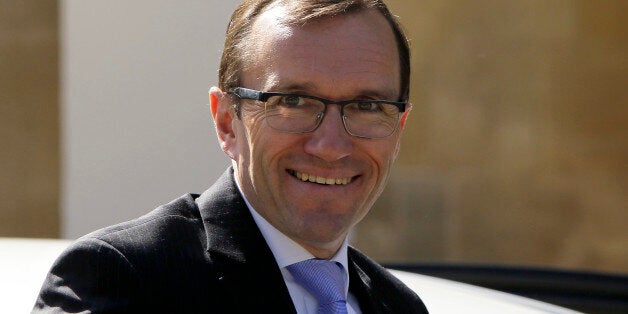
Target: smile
x,y
320,180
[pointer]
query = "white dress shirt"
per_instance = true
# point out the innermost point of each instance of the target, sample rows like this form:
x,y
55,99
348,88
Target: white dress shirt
x,y
288,252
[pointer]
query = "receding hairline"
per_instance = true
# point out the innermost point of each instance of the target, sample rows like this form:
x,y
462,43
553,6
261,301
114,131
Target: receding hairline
x,y
299,12
275,16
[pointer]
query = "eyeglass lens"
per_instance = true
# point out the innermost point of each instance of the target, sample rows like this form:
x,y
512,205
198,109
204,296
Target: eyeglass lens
x,y
298,114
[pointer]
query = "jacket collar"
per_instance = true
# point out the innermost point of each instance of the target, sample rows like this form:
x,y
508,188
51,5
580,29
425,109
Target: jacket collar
x,y
245,266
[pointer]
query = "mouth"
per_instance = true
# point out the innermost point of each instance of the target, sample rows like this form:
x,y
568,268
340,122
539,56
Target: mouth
x,y
306,177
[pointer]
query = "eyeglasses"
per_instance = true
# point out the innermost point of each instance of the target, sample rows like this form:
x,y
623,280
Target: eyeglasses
x,y
294,113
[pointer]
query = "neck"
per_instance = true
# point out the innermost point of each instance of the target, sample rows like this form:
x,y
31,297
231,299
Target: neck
x,y
323,251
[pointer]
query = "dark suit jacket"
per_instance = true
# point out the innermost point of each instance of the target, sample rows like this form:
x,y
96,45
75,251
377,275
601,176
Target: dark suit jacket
x,y
196,254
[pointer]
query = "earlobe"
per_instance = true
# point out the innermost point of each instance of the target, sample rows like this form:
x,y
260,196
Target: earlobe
x,y
222,112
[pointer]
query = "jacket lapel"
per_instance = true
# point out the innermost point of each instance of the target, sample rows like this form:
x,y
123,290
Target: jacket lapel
x,y
361,285
244,265
377,290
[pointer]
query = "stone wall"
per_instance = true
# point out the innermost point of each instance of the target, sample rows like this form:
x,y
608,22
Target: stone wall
x,y
29,118
516,149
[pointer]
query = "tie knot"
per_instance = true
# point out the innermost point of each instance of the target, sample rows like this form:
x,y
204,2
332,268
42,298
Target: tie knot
x,y
324,280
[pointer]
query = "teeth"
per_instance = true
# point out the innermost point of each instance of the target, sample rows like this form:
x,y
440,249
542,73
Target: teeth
x,y
321,180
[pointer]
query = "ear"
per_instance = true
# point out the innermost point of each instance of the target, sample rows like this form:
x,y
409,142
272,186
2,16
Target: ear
x,y
404,116
223,114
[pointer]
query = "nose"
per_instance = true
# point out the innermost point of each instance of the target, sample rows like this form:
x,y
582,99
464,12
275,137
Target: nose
x,y
330,141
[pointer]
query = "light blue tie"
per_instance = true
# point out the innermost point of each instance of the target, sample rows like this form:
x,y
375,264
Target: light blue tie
x,y
325,280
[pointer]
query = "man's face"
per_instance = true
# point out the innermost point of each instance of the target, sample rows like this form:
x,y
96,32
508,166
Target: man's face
x,y
341,58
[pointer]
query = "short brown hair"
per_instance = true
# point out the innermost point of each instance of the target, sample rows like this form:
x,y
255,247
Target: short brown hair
x,y
301,12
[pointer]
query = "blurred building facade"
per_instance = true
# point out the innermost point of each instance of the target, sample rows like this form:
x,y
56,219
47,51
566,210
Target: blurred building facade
x,y
515,151
517,146
29,119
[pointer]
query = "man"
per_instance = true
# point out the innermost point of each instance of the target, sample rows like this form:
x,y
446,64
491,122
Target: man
x,y
310,109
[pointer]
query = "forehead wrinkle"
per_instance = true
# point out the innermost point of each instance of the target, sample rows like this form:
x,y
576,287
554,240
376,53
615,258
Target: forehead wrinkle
x,y
292,81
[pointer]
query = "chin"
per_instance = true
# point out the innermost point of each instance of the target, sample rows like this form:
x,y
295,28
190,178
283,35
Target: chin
x,y
329,230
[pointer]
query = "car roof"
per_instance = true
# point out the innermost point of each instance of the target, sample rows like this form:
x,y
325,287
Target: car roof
x,y
24,264
448,296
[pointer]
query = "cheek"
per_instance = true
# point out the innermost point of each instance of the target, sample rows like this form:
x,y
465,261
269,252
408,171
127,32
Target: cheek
x,y
383,153
249,133
382,157
263,149
393,147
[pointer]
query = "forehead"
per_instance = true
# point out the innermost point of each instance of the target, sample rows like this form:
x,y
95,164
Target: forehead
x,y
342,55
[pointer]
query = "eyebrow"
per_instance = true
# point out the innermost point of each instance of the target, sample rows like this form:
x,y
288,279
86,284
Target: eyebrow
x,y
292,87
309,89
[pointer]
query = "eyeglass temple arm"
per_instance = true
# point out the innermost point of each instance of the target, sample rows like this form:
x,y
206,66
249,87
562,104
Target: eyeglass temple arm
x,y
245,93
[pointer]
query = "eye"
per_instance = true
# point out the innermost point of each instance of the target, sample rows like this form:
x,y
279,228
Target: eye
x,y
292,101
368,106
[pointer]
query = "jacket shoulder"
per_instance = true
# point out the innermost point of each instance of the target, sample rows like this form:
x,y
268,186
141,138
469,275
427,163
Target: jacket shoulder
x,y
131,263
172,234
178,210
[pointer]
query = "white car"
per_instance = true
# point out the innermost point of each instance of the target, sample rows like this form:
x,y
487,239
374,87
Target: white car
x,y
25,262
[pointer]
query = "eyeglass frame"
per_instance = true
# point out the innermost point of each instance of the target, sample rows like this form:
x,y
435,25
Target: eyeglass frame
x,y
251,94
